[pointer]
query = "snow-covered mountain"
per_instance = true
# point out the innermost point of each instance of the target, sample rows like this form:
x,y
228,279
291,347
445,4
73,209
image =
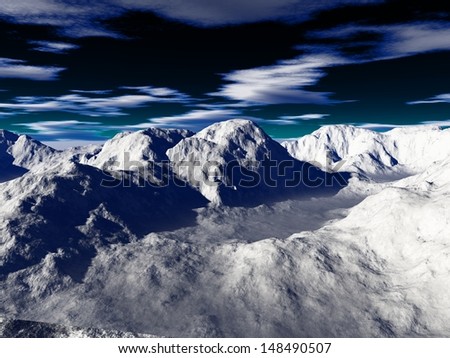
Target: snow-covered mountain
x,y
18,154
77,208
236,163
143,146
394,154
78,248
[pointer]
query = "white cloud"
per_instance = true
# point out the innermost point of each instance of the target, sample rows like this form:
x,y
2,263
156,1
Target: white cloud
x,y
63,134
288,81
91,106
126,101
445,123
193,120
63,143
51,128
397,40
196,118
72,18
378,126
13,68
53,47
51,12
98,92
285,82
78,18
282,122
417,38
161,93
388,126
442,98
217,13
306,117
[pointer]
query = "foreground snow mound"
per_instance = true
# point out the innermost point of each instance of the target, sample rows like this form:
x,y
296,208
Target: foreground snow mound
x,y
11,328
394,154
77,208
380,272
236,163
373,274
404,229
18,154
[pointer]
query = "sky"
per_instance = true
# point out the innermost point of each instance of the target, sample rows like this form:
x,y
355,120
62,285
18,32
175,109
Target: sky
x,y
76,72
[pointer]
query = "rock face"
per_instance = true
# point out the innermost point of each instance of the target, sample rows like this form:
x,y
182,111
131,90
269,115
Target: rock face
x,y
84,244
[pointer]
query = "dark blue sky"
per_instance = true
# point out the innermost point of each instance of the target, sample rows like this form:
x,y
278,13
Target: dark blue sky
x,y
82,71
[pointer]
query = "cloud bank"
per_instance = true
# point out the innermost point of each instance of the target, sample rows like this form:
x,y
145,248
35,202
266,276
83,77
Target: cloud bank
x,y
81,18
442,98
19,69
285,82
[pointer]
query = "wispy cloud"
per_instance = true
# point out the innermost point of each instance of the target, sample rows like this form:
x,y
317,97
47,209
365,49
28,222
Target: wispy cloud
x,y
285,82
51,128
393,41
290,81
80,19
64,134
218,13
195,119
282,122
389,126
442,98
445,123
378,126
97,92
53,47
14,68
92,106
198,119
410,39
306,117
77,19
161,92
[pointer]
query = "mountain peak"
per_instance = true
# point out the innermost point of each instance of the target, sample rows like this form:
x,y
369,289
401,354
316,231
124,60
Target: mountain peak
x,y
18,154
145,145
234,130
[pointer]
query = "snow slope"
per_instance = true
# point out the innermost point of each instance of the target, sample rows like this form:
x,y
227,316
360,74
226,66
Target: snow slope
x,y
76,208
368,261
10,328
